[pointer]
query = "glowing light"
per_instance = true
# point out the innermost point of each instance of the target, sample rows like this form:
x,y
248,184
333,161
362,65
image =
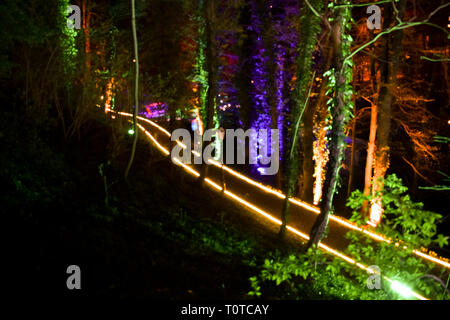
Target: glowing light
x,y
430,258
320,153
375,213
250,181
188,169
303,205
215,185
400,288
160,147
131,131
336,253
148,121
109,95
261,170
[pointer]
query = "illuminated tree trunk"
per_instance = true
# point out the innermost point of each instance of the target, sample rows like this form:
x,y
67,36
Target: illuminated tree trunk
x,y
309,29
352,159
318,150
136,88
368,174
211,66
370,149
321,157
87,34
342,100
389,66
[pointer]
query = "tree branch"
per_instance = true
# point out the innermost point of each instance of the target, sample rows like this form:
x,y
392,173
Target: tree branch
x,y
416,171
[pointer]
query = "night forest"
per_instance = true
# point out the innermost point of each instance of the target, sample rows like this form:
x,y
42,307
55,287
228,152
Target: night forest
x,y
347,99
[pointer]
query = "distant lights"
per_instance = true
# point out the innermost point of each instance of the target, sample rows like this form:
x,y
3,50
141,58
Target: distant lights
x,y
131,132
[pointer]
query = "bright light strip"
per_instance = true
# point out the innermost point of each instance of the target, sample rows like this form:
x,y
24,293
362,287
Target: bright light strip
x,y
250,181
253,207
215,185
400,288
155,125
301,234
426,256
147,120
314,209
187,168
336,253
160,147
304,205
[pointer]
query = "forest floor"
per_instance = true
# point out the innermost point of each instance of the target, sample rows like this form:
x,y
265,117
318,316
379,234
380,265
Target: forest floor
x,y
160,236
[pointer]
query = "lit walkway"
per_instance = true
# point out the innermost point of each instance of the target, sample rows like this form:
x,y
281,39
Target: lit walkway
x,y
268,202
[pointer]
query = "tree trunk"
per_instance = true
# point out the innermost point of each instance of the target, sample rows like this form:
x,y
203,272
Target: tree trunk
x,y
370,149
211,66
309,29
385,97
136,88
339,113
352,160
87,34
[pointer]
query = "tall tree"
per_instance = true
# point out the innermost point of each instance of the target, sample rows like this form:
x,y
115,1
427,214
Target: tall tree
x,y
209,15
341,108
136,87
392,46
309,29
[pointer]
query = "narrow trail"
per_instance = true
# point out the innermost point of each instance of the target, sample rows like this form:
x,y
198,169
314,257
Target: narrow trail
x,y
268,202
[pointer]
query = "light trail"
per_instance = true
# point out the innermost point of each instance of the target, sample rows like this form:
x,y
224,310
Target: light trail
x,y
295,201
160,147
148,121
271,217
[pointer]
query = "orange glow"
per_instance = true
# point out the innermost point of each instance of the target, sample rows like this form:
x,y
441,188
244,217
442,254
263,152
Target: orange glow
x,y
320,159
160,147
109,95
187,168
250,181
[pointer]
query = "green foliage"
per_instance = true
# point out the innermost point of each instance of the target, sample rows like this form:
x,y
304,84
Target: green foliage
x,y
68,37
313,275
404,222
404,219
309,275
